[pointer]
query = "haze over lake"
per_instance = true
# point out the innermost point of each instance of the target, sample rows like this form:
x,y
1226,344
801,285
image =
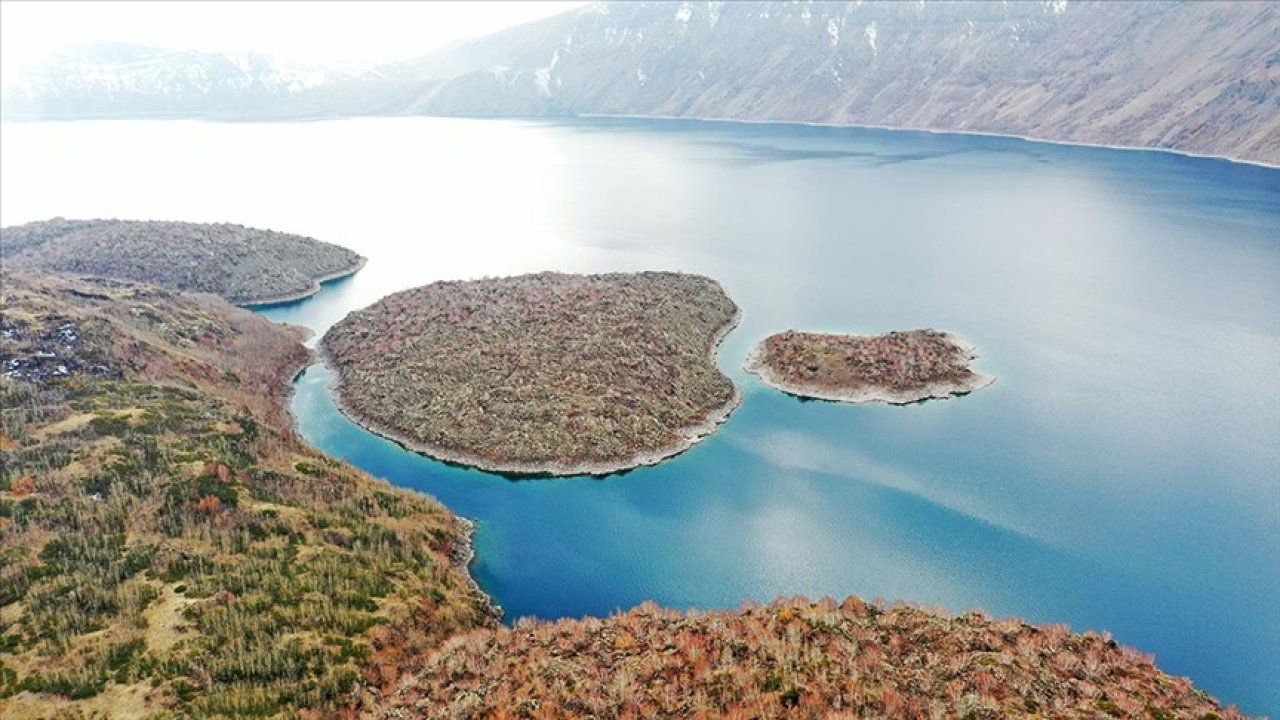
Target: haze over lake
x,y
1123,473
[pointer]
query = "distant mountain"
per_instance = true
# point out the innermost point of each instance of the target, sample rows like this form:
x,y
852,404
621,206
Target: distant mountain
x,y
1194,76
138,80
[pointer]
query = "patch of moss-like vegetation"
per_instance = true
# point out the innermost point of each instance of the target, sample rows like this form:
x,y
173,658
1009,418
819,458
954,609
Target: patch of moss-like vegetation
x,y
548,373
241,264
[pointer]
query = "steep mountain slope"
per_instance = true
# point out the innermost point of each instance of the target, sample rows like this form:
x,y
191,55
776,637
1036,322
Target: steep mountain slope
x,y
168,546
1194,76
1201,76
244,265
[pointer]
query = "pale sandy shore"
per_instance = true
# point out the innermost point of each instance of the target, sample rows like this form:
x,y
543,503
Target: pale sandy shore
x,y
933,391
687,437
316,284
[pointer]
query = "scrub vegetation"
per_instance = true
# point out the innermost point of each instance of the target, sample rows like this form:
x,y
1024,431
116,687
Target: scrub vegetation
x,y
897,367
169,548
241,264
167,544
548,373
793,659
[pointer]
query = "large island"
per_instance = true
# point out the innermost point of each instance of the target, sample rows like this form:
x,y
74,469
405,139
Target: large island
x,y
546,374
898,368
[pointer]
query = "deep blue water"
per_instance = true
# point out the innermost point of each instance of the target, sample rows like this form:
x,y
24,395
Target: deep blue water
x,y
1122,474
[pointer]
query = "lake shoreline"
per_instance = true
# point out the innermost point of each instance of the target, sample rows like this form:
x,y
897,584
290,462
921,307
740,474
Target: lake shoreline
x,y
756,365
464,554
464,551
932,131
317,284
687,436
316,118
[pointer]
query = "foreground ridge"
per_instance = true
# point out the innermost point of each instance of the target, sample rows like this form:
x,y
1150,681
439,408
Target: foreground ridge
x,y
792,658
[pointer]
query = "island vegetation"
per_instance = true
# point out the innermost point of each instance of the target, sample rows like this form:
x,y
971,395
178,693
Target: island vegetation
x,y
243,265
168,547
896,368
792,659
549,374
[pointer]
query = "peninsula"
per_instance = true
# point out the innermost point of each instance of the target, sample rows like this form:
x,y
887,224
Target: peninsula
x,y
170,547
546,374
243,265
898,368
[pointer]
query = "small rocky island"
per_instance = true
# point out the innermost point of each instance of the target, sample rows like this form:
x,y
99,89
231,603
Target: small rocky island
x,y
898,368
243,265
546,374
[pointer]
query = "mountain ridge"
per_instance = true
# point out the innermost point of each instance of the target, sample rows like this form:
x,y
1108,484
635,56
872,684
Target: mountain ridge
x,y
1200,78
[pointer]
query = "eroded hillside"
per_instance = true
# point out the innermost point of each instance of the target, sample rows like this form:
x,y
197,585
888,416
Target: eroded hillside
x,y
1194,76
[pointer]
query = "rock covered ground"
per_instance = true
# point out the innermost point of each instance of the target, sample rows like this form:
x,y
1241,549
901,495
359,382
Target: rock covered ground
x,y
540,374
244,265
897,367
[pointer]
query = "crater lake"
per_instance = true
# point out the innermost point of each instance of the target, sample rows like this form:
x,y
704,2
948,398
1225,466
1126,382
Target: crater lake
x,y
1123,473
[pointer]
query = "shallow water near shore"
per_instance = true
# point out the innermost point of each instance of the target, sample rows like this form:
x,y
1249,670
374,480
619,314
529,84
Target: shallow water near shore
x,y
1123,473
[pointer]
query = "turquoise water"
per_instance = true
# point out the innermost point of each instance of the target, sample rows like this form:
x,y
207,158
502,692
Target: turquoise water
x,y
1122,474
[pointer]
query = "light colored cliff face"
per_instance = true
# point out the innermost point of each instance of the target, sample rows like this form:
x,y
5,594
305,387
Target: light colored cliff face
x,y
1201,77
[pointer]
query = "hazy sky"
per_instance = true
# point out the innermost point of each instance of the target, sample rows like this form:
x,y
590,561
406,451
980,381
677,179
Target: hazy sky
x,y
298,31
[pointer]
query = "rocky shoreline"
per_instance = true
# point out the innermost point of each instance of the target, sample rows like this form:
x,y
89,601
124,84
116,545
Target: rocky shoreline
x,y
316,285
941,390
464,552
688,436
